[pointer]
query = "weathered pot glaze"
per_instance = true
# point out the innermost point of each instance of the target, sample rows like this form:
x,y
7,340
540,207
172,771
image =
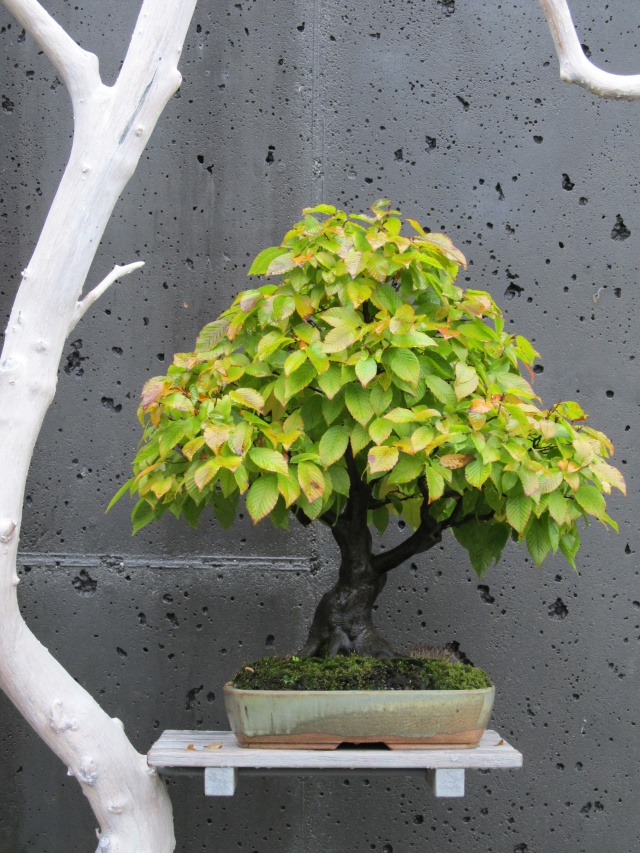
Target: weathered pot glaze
x,y
323,719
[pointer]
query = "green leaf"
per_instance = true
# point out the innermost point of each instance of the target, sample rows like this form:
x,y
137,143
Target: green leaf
x,y
569,545
333,445
380,517
435,483
380,398
538,542
262,261
557,507
269,460
141,515
380,430
591,500
121,491
484,540
518,510
476,473
440,389
466,380
172,435
332,408
407,468
382,458
359,438
358,402
262,496
366,369
404,363
299,379
225,508
340,480
331,381
294,361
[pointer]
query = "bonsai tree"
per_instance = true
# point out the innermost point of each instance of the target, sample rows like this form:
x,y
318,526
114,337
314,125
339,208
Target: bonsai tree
x,y
367,386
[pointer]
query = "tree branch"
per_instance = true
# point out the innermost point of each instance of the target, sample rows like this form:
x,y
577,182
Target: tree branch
x,y
84,304
574,65
425,537
78,68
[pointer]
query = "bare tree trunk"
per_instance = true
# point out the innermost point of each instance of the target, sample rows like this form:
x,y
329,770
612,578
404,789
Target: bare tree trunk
x,y
112,127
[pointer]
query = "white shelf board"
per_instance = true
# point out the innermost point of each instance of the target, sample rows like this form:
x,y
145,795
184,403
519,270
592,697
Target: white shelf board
x,y
221,758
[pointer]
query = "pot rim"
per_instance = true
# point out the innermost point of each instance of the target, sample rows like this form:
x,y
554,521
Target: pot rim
x,y
475,691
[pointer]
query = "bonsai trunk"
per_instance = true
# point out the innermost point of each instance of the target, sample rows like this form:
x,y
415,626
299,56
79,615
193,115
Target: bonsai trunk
x,y
343,621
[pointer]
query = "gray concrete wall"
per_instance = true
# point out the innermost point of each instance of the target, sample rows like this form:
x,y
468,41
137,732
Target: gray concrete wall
x,y
455,111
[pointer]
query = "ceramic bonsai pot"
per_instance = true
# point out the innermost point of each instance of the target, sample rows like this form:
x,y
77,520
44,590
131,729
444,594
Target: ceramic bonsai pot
x,y
323,719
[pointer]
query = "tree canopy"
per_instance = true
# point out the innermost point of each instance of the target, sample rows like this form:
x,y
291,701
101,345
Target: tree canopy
x,y
366,360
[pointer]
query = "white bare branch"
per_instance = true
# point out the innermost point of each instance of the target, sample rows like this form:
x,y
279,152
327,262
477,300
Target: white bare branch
x,y
111,128
575,67
83,305
77,67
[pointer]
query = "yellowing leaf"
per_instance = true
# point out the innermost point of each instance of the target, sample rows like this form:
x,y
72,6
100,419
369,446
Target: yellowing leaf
x,y
382,458
248,397
215,435
311,480
339,339
480,407
206,472
455,460
289,488
445,246
269,460
152,390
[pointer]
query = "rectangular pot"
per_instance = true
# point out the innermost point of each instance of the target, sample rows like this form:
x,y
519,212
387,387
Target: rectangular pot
x,y
323,719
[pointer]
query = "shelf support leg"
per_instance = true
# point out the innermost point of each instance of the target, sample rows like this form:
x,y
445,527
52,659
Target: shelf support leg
x,y
446,783
220,781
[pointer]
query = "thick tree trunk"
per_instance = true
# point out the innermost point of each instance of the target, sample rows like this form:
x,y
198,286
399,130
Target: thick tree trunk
x,y
343,621
112,126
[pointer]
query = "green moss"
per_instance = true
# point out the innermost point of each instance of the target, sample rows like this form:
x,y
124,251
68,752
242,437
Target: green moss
x,y
358,673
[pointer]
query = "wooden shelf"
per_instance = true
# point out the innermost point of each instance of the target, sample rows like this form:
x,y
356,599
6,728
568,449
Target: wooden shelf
x,y
223,760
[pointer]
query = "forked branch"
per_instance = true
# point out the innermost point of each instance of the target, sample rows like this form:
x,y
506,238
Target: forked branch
x,y
575,67
77,67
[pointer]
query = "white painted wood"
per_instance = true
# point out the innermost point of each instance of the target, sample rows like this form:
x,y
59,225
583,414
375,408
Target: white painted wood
x,y
84,304
221,749
446,783
112,125
575,67
220,781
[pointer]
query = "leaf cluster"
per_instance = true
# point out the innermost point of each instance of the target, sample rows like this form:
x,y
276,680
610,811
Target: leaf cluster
x,y
367,361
